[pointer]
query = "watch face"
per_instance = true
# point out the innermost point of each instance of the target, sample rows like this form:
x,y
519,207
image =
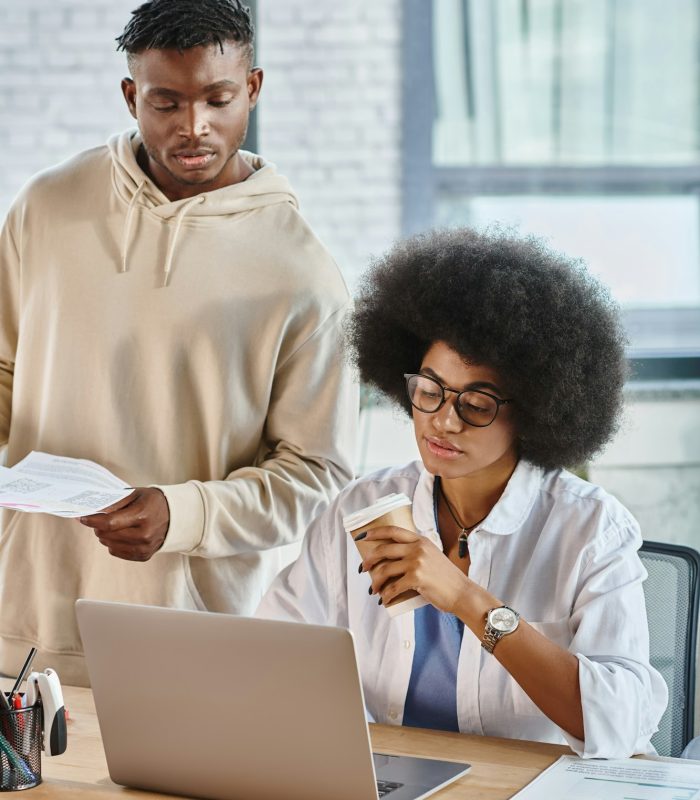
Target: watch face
x,y
502,619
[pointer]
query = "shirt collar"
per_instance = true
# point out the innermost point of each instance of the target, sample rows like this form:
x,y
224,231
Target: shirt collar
x,y
506,517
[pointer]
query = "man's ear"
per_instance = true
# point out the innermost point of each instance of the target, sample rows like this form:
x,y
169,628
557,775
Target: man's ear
x,y
129,92
254,81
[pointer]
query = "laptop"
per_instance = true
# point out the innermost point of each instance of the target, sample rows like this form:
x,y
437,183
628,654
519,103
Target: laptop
x,y
234,708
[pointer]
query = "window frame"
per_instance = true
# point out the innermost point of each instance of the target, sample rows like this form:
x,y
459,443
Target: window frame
x,y
423,182
250,143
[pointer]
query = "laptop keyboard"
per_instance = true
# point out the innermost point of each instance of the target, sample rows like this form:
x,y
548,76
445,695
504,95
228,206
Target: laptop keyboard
x,y
386,787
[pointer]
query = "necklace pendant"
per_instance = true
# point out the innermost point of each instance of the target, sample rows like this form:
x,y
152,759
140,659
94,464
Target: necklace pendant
x,y
463,545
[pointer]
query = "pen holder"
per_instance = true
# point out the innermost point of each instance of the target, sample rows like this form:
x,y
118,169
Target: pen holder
x,y
20,748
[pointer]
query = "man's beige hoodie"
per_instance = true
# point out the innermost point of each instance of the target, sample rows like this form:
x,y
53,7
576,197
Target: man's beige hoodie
x,y
189,344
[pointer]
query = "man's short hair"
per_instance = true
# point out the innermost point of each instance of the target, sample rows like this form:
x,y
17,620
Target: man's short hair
x,y
183,24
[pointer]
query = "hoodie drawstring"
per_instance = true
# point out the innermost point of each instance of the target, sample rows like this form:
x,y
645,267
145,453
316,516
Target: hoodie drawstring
x,y
173,239
127,224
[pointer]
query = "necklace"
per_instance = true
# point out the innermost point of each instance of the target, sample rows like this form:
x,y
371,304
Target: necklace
x,y
463,545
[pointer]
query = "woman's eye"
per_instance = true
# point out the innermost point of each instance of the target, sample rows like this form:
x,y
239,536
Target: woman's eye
x,y
475,409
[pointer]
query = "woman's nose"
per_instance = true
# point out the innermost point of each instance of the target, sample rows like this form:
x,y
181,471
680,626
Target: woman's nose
x,y
446,417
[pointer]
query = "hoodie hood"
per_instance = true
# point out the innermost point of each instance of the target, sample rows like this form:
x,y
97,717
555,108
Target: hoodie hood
x,y
264,187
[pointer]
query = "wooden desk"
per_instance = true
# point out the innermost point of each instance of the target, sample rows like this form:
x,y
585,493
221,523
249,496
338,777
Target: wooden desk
x,y
499,766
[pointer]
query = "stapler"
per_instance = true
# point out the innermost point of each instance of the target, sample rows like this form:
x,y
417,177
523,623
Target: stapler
x,y
46,687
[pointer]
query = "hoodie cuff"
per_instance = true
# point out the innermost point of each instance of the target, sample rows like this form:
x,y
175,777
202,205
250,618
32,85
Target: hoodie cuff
x,y
186,528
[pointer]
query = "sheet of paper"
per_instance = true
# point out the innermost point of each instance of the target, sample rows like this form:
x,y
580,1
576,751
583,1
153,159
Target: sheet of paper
x,y
622,779
65,487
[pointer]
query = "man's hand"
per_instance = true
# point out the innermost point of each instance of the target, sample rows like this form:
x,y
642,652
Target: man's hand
x,y
135,527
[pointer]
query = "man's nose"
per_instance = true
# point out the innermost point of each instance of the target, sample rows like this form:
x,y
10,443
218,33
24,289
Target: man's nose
x,y
195,123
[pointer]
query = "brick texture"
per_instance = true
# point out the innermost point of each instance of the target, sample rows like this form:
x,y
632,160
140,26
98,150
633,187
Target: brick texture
x,y
59,83
330,117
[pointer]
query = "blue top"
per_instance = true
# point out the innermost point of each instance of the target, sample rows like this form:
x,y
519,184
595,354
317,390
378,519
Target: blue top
x,y
431,700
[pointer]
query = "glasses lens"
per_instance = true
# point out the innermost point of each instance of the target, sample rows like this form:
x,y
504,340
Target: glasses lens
x,y
477,408
424,392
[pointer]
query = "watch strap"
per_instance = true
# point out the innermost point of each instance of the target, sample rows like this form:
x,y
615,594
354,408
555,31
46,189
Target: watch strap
x,y
491,638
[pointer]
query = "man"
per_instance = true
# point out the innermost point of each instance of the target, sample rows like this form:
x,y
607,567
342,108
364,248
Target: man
x,y
166,311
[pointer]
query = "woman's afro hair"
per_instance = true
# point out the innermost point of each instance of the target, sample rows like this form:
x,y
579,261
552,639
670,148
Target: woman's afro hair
x,y
549,329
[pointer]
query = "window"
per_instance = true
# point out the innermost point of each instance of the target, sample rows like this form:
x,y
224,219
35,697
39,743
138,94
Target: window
x,y
576,120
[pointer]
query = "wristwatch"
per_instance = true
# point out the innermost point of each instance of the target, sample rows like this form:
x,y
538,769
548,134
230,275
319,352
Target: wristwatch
x,y
499,623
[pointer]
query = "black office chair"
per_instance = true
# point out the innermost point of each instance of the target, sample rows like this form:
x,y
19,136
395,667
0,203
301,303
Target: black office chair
x,y
672,591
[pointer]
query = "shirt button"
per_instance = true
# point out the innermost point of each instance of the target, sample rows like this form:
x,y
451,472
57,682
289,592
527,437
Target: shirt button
x,y
407,644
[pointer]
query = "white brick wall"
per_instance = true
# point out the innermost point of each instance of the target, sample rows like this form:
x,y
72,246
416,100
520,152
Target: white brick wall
x,y
59,83
329,116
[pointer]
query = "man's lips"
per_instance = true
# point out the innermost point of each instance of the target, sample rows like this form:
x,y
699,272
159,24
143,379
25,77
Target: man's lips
x,y
194,159
442,448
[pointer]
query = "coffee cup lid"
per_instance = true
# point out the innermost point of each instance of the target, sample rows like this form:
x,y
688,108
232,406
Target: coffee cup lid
x,y
382,506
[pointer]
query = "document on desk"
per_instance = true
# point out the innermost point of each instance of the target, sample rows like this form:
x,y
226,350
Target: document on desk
x,y
65,487
621,779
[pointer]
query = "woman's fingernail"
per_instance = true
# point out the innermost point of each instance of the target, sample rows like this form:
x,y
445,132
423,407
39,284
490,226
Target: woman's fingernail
x,y
360,536
359,569
369,590
379,602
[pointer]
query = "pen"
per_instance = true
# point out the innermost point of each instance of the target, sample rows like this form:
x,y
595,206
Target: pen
x,y
22,674
4,705
18,721
5,761
14,759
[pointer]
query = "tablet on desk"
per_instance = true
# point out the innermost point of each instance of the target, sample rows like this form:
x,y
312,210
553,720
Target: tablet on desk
x,y
233,708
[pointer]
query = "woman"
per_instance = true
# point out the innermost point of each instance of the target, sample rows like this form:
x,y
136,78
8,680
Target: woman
x,y
510,360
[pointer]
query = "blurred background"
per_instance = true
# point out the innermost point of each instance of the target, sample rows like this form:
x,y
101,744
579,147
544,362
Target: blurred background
x,y
577,121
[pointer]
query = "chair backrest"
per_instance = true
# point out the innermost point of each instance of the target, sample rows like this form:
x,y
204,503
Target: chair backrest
x,y
672,591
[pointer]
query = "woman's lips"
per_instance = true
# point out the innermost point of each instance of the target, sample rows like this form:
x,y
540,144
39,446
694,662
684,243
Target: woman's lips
x,y
442,449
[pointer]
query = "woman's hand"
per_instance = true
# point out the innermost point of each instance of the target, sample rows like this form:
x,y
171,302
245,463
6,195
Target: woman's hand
x,y
398,560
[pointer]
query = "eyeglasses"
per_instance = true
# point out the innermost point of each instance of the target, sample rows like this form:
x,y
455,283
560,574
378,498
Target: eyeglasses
x,y
473,406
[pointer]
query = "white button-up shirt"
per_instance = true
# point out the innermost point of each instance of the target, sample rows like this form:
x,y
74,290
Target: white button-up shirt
x,y
557,549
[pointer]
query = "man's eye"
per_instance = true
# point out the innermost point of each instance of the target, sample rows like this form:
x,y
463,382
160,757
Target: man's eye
x,y
171,107
219,103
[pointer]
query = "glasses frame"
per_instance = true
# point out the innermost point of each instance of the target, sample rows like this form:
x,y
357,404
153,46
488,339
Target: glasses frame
x,y
499,402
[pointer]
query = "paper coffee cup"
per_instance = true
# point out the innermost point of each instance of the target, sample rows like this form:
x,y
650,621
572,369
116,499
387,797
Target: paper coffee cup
x,y
392,509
